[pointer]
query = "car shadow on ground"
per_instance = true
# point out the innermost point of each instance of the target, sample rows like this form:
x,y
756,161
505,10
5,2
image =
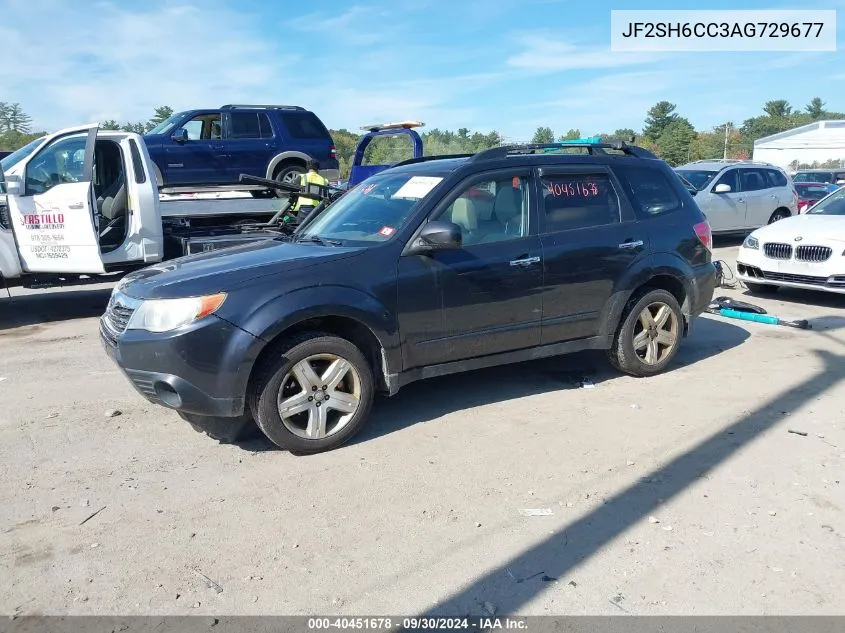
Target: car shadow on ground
x,y
435,397
51,307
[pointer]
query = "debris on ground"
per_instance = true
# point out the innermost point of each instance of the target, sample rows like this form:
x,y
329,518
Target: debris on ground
x,y
586,383
92,515
802,433
196,605
95,545
772,513
478,525
572,583
208,581
636,406
653,520
255,598
536,512
630,463
84,503
55,508
50,416
668,528
113,413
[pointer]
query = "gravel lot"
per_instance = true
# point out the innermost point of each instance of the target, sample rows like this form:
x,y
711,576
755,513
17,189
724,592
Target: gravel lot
x,y
680,494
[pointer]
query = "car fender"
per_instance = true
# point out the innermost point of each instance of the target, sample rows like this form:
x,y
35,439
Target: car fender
x,y
640,273
290,155
271,318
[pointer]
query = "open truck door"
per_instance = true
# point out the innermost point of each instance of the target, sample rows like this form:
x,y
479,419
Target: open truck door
x,y
50,201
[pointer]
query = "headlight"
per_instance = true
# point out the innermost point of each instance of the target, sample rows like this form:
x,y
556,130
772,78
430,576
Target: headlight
x,y
164,315
751,242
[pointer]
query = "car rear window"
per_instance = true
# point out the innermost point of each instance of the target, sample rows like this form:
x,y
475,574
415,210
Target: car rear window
x,y
649,189
304,125
813,176
811,191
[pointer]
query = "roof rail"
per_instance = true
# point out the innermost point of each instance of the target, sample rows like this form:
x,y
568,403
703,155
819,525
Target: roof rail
x,y
234,106
529,148
424,159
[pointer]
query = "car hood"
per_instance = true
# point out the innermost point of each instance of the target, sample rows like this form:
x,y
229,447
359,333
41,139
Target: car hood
x,y
810,228
226,269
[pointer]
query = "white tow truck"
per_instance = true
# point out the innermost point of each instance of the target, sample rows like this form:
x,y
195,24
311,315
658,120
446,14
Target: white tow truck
x,y
82,204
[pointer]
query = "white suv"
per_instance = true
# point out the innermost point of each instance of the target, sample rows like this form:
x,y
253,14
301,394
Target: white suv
x,y
738,196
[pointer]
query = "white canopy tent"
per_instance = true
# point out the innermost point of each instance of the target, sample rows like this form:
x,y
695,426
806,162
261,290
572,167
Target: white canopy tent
x,y
817,142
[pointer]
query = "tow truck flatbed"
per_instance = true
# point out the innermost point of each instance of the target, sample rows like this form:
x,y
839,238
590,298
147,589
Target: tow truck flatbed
x,y
216,207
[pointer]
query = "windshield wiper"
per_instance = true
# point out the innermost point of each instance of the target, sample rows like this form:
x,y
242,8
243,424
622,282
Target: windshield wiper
x,y
316,239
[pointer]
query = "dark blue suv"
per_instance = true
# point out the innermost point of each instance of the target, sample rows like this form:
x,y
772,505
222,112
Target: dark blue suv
x,y
214,147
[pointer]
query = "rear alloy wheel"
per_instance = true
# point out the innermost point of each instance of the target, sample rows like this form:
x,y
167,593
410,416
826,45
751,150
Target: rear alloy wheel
x,y
315,396
288,175
780,214
649,335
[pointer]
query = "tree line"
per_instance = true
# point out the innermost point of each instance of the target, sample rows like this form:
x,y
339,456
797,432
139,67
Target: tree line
x,y
665,132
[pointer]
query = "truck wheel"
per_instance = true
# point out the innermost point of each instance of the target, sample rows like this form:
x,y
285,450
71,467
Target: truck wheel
x,y
761,289
288,173
649,333
314,394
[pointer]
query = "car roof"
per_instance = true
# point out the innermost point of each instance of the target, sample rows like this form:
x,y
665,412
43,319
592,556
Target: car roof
x,y
817,170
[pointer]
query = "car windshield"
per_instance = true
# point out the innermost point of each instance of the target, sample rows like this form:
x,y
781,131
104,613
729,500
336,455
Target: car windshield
x,y
698,178
813,176
168,124
17,156
811,191
373,211
834,204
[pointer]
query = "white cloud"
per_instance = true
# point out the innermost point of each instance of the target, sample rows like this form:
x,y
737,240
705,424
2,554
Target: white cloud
x,y
547,54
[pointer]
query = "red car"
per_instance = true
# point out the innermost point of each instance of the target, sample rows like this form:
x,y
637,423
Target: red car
x,y
809,193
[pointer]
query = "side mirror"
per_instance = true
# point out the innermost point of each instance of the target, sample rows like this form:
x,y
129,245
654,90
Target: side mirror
x,y
12,185
722,188
180,135
438,236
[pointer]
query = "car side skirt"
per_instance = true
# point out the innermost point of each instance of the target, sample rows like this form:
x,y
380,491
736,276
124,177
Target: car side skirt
x,y
397,381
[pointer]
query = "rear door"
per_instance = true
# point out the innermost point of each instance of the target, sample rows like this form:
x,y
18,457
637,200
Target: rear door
x,y
590,236
52,211
250,145
203,158
760,202
725,211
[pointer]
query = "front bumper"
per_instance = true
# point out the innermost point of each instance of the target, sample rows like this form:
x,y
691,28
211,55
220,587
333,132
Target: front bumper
x,y
202,369
753,266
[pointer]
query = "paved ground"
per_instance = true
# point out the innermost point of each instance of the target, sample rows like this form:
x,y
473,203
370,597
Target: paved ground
x,y
681,494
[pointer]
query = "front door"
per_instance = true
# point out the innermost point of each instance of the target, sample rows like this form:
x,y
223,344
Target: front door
x,y
51,206
484,298
725,211
590,238
203,158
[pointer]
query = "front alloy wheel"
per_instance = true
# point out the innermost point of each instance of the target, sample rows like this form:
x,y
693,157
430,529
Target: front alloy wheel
x,y
319,396
312,393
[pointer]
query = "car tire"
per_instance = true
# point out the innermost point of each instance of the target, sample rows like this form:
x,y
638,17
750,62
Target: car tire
x,y
761,289
290,173
779,214
631,334
304,431
224,430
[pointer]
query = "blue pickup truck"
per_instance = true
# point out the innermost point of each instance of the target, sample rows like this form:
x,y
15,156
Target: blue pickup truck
x,y
213,147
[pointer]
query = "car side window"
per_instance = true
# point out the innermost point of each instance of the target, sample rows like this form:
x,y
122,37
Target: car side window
x,y
59,162
578,201
752,180
491,210
649,189
775,178
204,127
729,178
245,125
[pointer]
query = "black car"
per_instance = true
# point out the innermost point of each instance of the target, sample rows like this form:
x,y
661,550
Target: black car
x,y
436,266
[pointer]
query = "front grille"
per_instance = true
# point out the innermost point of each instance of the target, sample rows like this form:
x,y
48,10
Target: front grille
x,y
113,323
776,250
813,253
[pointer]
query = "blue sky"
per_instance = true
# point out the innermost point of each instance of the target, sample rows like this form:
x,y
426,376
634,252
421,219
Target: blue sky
x,y
481,64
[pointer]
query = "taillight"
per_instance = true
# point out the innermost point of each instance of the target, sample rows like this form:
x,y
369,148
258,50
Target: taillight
x,y
702,230
332,151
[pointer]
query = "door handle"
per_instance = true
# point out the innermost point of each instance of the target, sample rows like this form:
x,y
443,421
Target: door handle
x,y
76,205
633,244
526,261
740,199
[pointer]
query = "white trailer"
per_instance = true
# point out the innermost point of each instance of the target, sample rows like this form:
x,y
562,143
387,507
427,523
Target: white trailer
x,y
84,204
